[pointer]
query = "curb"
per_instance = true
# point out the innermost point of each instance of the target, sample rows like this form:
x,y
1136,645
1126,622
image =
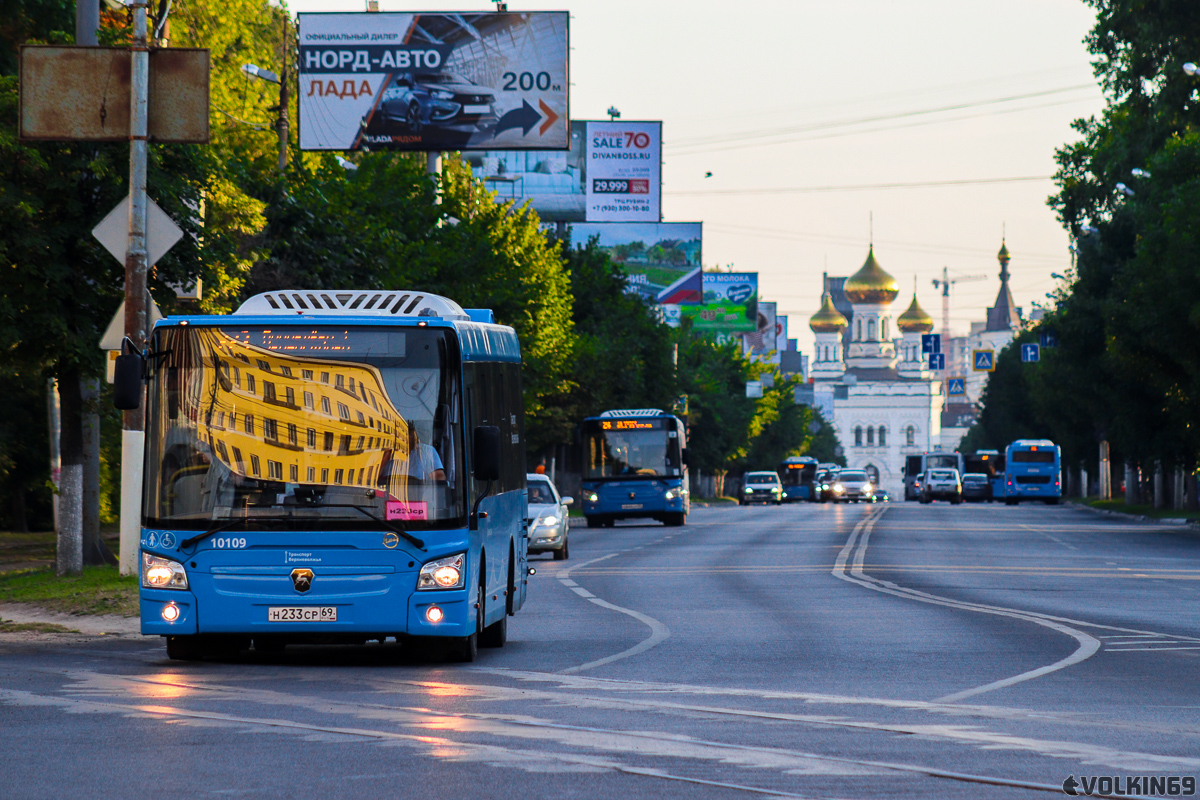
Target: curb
x,y
1166,521
98,625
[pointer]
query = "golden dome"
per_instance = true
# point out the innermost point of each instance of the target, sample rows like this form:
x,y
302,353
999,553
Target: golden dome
x,y
871,284
1002,256
915,320
828,319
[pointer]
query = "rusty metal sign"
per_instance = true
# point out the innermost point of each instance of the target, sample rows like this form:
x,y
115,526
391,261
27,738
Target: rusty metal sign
x,y
82,94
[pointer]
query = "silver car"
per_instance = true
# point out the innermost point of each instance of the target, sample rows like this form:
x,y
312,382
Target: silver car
x,y
852,485
549,522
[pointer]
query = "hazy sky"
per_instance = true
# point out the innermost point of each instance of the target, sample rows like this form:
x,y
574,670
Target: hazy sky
x,y
779,100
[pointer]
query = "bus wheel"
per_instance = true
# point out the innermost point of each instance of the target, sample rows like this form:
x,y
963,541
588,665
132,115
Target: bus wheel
x,y
610,522
496,634
594,522
674,520
1010,501
1051,501
183,648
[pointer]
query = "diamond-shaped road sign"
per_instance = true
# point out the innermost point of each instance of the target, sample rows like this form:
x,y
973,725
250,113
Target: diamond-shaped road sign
x,y
161,232
985,360
1030,353
956,386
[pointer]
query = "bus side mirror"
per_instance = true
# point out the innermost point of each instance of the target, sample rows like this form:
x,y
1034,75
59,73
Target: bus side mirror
x,y
485,455
687,457
127,382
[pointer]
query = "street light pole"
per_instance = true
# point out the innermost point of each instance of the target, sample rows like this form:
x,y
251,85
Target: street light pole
x,y
133,435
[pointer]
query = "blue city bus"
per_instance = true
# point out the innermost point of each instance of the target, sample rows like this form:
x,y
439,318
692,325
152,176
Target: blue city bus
x,y
1033,471
798,474
331,467
635,465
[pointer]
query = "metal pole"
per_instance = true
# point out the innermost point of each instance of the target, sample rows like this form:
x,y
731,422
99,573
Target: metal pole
x,y
133,434
281,122
87,22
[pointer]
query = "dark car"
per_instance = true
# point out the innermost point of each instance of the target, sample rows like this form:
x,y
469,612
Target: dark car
x,y
437,99
976,487
823,485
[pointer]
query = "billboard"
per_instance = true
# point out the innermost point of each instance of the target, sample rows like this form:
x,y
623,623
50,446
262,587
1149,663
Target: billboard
x,y
762,341
730,303
470,81
661,260
624,171
611,173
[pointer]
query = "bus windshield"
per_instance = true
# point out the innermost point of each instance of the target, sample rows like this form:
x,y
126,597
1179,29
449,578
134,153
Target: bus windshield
x,y
315,428
622,448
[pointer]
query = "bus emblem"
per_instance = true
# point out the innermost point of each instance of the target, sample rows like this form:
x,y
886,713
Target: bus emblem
x,y
390,540
302,579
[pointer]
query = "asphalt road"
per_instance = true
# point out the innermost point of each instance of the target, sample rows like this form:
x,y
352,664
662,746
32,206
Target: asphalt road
x,y
896,651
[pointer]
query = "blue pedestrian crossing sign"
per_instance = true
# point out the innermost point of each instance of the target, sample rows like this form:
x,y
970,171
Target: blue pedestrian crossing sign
x,y
1030,353
937,360
931,343
956,386
1049,338
985,360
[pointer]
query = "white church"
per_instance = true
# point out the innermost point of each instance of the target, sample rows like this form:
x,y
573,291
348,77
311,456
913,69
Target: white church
x,y
886,404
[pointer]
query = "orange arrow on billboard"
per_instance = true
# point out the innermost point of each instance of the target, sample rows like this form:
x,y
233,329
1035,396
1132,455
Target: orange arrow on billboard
x,y
551,117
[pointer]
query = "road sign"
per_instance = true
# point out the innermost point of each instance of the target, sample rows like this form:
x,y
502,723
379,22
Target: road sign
x,y
931,343
77,94
985,360
937,360
1049,338
956,386
161,232
1030,353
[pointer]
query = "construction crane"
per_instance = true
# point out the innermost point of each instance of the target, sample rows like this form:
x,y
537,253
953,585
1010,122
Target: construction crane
x,y
944,284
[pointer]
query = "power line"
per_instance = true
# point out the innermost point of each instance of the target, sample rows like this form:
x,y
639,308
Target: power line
x,y
856,187
746,136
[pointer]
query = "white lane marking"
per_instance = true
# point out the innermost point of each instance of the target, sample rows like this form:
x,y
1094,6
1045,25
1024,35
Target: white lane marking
x,y
659,633
1146,649
1088,644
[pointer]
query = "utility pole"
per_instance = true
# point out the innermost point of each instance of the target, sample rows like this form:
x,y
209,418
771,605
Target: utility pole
x,y
281,122
133,435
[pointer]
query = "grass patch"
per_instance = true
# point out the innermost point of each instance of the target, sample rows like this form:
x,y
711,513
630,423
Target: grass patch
x,y
7,626
99,590
1118,505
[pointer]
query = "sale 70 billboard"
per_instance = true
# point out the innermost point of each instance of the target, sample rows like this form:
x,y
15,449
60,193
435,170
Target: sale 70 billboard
x,y
467,81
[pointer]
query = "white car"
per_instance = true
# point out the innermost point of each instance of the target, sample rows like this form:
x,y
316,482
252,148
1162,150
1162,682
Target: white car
x,y
761,487
549,523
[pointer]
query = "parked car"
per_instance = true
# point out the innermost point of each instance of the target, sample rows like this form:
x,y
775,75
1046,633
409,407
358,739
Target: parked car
x,y
549,521
437,99
852,486
941,484
761,487
976,487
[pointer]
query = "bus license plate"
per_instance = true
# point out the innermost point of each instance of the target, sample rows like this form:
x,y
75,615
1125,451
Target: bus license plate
x,y
628,506
302,614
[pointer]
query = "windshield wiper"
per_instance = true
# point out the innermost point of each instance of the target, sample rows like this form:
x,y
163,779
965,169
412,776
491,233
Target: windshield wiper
x,y
394,526
199,537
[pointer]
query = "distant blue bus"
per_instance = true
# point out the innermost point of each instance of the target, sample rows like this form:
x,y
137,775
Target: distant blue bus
x,y
798,474
331,466
635,465
1033,471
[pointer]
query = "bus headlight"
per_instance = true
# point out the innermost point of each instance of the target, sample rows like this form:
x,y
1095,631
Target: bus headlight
x,y
162,573
593,497
749,490
672,493
443,573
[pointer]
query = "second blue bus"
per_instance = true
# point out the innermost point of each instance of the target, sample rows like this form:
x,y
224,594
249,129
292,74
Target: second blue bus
x,y
635,465
1033,471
